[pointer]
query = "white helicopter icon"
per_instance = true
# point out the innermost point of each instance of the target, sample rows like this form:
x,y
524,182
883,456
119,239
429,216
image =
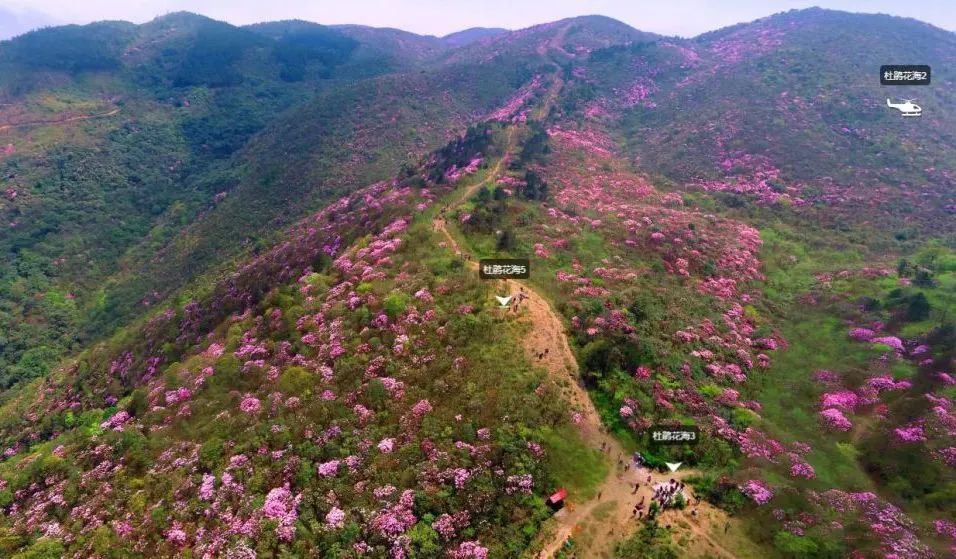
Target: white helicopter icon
x,y
907,107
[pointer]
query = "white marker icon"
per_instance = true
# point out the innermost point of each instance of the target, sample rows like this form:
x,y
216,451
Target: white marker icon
x,y
907,107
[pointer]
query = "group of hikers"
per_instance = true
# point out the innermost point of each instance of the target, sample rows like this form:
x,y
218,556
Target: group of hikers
x,y
665,494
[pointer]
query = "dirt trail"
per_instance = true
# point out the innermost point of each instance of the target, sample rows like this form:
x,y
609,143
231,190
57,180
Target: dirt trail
x,y
599,523
63,120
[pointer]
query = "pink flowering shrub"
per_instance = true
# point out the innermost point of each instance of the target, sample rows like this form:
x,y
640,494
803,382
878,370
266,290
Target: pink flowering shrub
x,y
281,506
862,334
335,518
176,535
469,550
834,420
799,468
910,434
844,400
757,491
893,342
329,469
250,405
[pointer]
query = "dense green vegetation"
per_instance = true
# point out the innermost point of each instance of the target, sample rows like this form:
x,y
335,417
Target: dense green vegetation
x,y
228,325
71,48
201,162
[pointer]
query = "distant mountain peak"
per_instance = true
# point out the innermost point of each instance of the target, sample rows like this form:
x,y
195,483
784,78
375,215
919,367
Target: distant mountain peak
x,y
181,17
13,23
472,34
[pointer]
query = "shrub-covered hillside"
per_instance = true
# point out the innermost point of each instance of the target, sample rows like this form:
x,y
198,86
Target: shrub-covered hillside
x,y
241,316
191,143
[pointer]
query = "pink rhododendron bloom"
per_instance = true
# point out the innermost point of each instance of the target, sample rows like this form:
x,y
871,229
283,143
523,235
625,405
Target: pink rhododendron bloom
x,y
469,550
335,518
116,421
207,488
238,461
384,491
385,446
862,334
835,420
250,404
421,408
945,528
362,412
122,528
461,477
522,483
884,383
626,411
281,505
846,400
176,535
445,526
53,530
766,343
277,504
911,434
892,341
729,397
329,469
756,444
684,337
757,491
802,469
179,395
423,295
215,350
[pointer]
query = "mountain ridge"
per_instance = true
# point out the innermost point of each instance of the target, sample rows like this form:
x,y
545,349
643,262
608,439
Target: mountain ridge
x,y
272,340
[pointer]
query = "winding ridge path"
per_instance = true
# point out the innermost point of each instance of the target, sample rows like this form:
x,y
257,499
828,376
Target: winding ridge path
x,y
599,523
62,120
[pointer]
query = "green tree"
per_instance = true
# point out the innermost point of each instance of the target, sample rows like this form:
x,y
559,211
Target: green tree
x,y
918,308
651,542
423,541
795,546
43,548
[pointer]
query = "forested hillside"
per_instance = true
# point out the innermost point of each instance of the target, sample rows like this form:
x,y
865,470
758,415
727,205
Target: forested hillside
x,y
240,314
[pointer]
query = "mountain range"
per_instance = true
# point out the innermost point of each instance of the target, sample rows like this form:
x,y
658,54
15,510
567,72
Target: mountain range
x,y
239,315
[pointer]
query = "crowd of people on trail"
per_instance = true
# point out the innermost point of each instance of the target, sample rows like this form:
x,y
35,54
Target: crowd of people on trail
x,y
665,494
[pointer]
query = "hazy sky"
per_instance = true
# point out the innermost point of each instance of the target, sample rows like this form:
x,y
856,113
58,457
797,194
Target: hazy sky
x,y
438,17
